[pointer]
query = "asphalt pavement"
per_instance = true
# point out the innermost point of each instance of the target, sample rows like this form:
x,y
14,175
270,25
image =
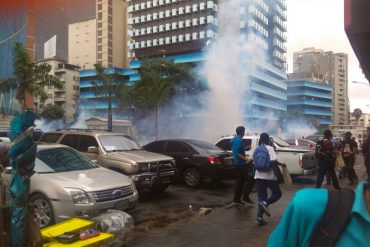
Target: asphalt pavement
x,y
167,220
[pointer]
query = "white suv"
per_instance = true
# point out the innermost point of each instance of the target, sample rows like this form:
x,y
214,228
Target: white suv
x,y
297,161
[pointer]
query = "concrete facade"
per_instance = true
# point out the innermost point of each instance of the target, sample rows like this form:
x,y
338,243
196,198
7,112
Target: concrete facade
x,y
81,41
363,121
68,96
331,68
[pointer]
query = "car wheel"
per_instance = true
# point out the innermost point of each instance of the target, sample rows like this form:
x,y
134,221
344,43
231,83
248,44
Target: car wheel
x,y
43,210
192,177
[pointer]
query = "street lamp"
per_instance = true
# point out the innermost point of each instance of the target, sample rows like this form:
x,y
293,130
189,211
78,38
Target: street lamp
x,y
360,82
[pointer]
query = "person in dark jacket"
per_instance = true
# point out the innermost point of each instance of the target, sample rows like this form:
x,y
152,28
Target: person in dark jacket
x,y
366,151
326,157
244,180
349,149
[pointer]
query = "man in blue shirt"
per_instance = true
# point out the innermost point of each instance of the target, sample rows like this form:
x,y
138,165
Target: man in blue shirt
x,y
306,209
244,180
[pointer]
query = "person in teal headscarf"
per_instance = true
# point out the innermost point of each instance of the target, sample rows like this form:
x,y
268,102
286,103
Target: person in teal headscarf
x,y
22,155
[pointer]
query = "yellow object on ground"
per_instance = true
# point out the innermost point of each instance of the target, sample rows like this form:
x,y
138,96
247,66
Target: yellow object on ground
x,y
72,225
91,242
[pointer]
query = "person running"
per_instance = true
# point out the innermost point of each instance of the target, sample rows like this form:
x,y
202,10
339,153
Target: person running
x,y
244,181
266,179
349,149
326,155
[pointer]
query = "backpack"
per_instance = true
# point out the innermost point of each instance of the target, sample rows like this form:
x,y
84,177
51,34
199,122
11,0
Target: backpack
x,y
261,159
330,226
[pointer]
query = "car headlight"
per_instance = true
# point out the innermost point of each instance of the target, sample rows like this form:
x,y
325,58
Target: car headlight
x,y
143,167
78,196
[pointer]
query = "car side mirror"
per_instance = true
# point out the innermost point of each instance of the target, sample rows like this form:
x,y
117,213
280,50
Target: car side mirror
x,y
8,170
93,150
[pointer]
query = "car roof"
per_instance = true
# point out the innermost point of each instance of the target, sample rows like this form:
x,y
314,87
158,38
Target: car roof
x,y
43,145
85,132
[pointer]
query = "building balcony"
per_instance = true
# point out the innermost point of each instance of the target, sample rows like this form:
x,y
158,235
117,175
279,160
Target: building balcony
x,y
309,93
61,98
280,23
268,91
281,13
308,102
280,46
279,56
282,4
279,34
317,112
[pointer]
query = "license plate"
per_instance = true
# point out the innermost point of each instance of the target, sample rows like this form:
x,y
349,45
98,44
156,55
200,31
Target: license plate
x,y
122,205
165,180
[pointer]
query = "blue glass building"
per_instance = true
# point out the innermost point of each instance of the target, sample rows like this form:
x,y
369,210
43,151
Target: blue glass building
x,y
310,99
14,27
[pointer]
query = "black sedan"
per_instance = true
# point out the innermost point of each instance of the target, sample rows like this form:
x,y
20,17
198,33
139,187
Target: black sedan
x,y
196,160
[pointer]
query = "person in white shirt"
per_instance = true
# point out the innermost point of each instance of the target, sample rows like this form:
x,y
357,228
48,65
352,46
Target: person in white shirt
x,y
266,180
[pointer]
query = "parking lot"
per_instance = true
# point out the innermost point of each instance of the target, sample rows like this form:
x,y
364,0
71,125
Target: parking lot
x,y
165,219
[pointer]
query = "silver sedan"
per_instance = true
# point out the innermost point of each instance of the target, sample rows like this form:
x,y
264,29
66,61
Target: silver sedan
x,y
67,184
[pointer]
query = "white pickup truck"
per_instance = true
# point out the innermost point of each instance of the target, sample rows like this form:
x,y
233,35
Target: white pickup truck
x,y
299,162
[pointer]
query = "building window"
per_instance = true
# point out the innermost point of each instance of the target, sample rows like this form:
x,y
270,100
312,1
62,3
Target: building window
x,y
168,27
110,52
168,1
155,42
143,31
161,41
202,35
110,28
174,12
187,37
195,22
187,23
174,39
195,36
161,28
202,6
181,10
100,25
100,33
155,29
161,14
149,30
100,16
100,56
195,7
149,4
142,44
100,48
155,16
161,2
110,10
168,40
148,17
181,24
187,9
174,25
168,13
181,38
100,6
202,20
110,20
142,18
155,3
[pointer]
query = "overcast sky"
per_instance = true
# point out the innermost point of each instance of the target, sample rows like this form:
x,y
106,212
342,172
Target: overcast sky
x,y
320,24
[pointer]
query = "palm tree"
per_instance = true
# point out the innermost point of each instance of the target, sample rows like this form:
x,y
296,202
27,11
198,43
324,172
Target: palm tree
x,y
357,113
156,86
28,77
106,86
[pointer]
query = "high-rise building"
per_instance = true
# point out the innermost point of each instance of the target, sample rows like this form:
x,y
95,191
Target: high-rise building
x,y
68,96
170,27
101,39
16,25
82,43
52,18
311,100
331,68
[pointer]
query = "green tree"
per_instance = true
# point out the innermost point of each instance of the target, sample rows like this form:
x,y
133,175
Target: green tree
x,y
52,112
160,81
28,77
357,113
107,87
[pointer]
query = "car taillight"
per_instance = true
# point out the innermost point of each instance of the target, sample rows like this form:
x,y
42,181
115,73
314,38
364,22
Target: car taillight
x,y
214,160
301,161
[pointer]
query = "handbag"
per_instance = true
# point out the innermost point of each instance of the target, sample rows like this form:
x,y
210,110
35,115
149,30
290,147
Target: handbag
x,y
340,161
286,176
277,173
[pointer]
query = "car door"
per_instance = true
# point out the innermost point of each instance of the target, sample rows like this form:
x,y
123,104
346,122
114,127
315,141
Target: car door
x,y
180,152
85,142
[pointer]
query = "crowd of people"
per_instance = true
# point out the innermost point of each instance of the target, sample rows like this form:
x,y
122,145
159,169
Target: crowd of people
x,y
314,217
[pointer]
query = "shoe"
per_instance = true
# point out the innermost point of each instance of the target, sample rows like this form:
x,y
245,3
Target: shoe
x,y
265,209
248,201
261,222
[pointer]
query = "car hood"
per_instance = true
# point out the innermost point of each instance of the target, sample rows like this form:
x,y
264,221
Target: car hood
x,y
285,149
139,156
87,180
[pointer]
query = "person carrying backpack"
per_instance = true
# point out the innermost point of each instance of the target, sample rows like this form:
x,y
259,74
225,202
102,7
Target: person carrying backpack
x,y
326,156
349,149
325,218
264,157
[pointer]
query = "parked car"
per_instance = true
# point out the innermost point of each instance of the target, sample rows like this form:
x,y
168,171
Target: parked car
x,y
150,171
314,138
301,144
36,133
196,160
67,184
298,161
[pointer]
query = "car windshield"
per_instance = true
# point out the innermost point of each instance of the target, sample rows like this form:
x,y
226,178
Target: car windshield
x,y
280,142
205,145
115,143
54,160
